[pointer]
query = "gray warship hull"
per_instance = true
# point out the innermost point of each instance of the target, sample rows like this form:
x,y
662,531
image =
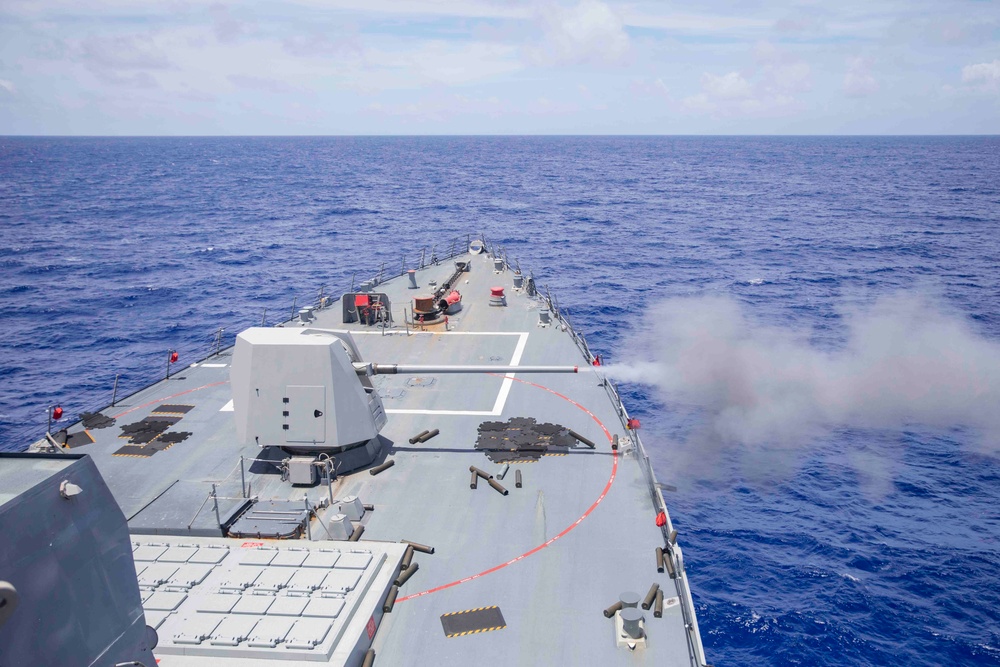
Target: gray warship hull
x,y
236,563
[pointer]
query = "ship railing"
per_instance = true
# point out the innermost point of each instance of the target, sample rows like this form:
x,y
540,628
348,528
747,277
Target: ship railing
x,y
672,550
127,387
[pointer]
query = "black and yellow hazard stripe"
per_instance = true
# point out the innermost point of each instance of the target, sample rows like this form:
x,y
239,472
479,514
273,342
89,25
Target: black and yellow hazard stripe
x,y
473,632
472,621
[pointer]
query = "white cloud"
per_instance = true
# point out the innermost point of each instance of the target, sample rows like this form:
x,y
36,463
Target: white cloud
x,y
859,81
450,63
791,77
730,86
984,76
765,88
781,72
589,33
8,86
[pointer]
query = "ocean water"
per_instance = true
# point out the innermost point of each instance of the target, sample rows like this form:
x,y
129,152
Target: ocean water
x,y
859,545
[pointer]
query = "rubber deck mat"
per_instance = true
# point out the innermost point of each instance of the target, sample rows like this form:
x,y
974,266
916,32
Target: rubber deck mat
x,y
173,437
133,450
96,420
472,621
521,439
172,409
148,429
161,419
79,439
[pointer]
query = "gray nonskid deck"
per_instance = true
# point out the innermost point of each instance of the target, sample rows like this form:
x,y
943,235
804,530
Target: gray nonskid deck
x,y
551,555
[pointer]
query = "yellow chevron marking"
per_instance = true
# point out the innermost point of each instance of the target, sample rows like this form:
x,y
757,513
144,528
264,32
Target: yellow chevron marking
x,y
475,632
468,611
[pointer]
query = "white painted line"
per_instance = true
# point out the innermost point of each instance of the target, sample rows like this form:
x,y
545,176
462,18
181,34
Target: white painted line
x,y
475,413
508,381
443,333
214,365
228,407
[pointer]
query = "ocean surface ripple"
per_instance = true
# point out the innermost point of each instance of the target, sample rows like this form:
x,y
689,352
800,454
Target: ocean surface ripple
x,y
862,546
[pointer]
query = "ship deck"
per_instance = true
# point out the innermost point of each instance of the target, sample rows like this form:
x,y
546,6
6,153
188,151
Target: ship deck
x,y
551,555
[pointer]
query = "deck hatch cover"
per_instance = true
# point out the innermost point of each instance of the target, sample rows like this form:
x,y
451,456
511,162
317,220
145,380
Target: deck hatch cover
x,y
354,561
324,607
308,632
269,631
232,630
472,621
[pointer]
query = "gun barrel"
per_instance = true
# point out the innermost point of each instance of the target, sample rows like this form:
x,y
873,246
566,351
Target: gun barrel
x,y
393,369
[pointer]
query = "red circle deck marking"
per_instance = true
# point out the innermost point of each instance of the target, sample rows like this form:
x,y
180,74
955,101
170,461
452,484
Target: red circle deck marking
x,y
167,398
607,487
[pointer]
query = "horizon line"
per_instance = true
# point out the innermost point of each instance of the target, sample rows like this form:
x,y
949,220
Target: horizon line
x,y
483,135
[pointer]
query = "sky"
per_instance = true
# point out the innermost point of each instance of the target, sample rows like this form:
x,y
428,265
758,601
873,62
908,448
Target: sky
x,y
363,67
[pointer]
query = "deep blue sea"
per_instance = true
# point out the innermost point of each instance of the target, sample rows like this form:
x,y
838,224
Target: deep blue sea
x,y
868,545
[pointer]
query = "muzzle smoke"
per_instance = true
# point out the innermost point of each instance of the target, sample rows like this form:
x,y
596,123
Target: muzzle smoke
x,y
905,360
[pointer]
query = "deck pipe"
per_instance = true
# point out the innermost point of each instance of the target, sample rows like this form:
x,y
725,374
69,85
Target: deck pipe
x,y
648,600
369,658
582,439
356,535
385,466
672,538
369,508
407,557
405,575
479,472
428,435
498,486
503,471
614,442
390,599
659,559
475,478
658,604
610,611
517,478
420,547
417,437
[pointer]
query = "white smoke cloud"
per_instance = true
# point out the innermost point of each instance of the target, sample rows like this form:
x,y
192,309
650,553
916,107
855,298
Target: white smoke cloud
x,y
759,387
